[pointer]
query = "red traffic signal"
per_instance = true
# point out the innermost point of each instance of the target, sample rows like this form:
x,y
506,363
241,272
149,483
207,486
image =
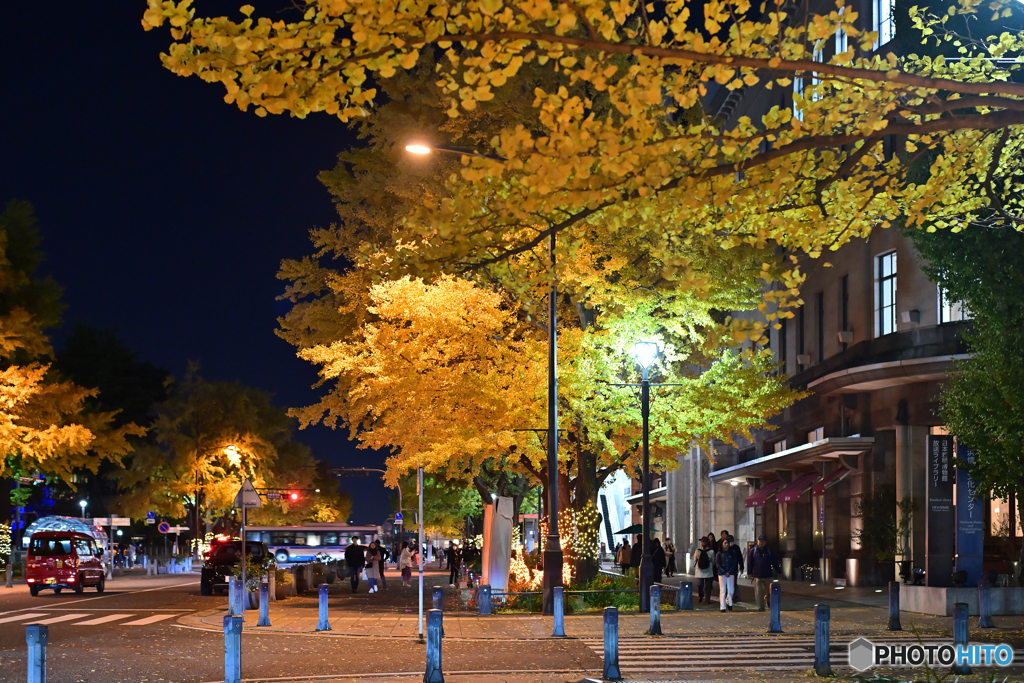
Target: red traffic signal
x,y
294,496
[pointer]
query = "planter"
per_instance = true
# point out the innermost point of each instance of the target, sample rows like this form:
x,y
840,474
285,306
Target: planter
x,y
283,590
331,577
254,600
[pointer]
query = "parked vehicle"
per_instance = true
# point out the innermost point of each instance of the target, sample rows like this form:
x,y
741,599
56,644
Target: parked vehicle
x,y
221,559
65,559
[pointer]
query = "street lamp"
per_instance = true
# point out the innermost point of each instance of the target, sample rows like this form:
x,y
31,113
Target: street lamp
x,y
82,503
552,577
645,353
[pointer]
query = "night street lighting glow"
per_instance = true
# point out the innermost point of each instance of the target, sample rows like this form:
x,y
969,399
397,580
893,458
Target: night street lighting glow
x,y
645,353
417,148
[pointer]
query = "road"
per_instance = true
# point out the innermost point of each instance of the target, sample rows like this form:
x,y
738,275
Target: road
x,y
129,634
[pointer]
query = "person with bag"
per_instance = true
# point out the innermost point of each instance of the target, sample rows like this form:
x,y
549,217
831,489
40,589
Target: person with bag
x,y
355,559
373,558
624,556
727,571
405,564
703,561
761,567
670,553
454,561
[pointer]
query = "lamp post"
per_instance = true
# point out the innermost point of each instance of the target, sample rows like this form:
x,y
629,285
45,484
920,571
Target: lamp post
x,y
645,353
552,577
83,504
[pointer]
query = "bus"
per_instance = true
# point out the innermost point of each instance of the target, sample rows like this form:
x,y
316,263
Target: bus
x,y
304,543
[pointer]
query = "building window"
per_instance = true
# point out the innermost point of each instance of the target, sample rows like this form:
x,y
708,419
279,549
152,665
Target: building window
x,y
779,446
842,39
802,82
883,21
784,343
821,326
801,321
999,518
951,311
885,294
816,435
844,307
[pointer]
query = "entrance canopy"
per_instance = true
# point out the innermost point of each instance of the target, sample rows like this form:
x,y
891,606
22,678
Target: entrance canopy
x,y
796,458
761,496
792,493
830,479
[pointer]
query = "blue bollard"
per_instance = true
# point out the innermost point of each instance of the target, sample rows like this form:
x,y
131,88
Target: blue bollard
x,y
894,606
775,625
985,605
233,649
37,636
264,604
324,625
684,596
559,613
960,635
232,597
485,599
822,621
655,629
439,603
611,645
435,625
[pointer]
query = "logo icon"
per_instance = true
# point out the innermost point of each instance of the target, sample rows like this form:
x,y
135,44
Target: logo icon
x,y
862,654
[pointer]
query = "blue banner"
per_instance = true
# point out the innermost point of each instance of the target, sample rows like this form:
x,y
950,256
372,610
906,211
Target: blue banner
x,y
970,520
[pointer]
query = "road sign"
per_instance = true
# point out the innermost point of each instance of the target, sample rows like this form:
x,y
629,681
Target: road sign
x,y
177,529
121,521
150,521
164,528
247,496
398,516
273,495
101,521
150,515
398,522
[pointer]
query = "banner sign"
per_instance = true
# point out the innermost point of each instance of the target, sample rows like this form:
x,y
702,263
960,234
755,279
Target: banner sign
x,y
970,520
939,547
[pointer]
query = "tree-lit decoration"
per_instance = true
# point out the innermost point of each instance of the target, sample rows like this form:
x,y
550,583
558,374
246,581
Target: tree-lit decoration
x,y
5,542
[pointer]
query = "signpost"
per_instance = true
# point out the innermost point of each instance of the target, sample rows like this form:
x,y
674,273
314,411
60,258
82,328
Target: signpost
x,y
940,514
398,519
246,498
970,520
164,528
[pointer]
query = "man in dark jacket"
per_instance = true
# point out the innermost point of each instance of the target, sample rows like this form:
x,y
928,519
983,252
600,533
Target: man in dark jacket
x,y
761,567
636,553
355,558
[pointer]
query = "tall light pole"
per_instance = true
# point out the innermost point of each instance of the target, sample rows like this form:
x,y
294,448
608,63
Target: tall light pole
x,y
645,353
82,503
552,577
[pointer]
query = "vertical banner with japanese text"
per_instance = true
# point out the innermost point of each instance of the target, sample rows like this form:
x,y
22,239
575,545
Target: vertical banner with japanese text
x,y
970,520
940,520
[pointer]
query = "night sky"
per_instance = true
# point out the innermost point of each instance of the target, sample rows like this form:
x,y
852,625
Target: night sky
x,y
165,212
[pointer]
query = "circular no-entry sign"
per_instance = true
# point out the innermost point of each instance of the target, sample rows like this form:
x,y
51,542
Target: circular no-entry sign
x,y
163,527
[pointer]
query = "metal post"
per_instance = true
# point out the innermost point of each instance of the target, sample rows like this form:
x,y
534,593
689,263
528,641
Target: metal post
x,y
611,645
776,619
435,624
894,606
10,575
232,596
264,604
272,580
552,548
232,649
655,629
960,636
324,625
242,602
822,620
985,604
240,598
37,636
559,613
438,602
684,598
646,565
419,547
485,599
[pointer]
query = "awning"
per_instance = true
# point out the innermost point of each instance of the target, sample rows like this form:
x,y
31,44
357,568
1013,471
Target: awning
x,y
760,496
831,479
792,493
828,449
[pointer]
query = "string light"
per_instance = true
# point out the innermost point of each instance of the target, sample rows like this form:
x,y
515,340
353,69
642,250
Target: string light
x,y
5,543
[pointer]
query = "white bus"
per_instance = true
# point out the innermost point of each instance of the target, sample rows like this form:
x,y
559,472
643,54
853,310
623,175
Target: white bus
x,y
303,543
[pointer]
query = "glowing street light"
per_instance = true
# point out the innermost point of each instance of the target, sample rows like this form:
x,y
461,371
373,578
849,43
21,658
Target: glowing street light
x,y
83,504
418,148
645,353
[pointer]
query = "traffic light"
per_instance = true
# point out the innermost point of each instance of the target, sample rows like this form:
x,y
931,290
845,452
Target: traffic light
x,y
294,496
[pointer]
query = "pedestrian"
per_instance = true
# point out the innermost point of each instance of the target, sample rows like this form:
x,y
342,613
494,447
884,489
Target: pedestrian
x,y
382,563
454,559
703,561
405,564
636,554
727,570
658,561
713,546
670,552
355,559
734,548
761,567
372,564
624,557
604,550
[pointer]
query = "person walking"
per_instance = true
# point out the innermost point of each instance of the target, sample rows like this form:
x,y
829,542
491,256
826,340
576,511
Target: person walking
x,y
355,559
713,546
454,560
761,567
703,561
658,561
636,554
727,570
623,557
405,564
734,548
670,553
382,563
372,562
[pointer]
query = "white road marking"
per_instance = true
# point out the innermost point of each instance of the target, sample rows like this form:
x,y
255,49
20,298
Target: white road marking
x,y
103,620
63,617
149,620
20,617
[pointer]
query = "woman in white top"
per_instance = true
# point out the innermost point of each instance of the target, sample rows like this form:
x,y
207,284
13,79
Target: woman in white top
x,y
703,569
405,564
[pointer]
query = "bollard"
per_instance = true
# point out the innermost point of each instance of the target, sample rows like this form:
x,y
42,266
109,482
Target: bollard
x,y
439,603
684,596
10,575
985,604
894,606
232,597
655,629
233,649
611,645
775,625
264,604
36,636
960,636
435,626
485,599
324,625
272,580
822,620
559,613
240,597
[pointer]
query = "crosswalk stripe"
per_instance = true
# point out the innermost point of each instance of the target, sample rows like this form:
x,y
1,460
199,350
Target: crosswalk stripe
x,y
149,620
20,617
63,617
103,620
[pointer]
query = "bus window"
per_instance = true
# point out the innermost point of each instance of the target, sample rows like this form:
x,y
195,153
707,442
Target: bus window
x,y
331,538
282,538
312,539
253,536
300,538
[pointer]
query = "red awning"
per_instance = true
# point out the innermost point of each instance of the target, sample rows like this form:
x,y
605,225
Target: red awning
x,y
759,497
831,479
792,493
